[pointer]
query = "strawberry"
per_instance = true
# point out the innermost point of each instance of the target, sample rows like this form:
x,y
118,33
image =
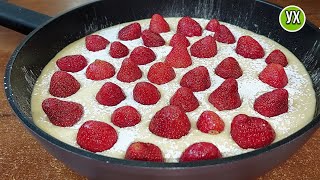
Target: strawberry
x,y
185,99
274,75
251,132
224,35
200,151
63,84
158,24
130,32
142,55
178,57
118,50
62,113
146,93
249,48
213,25
277,57
141,151
189,27
72,63
99,70
170,122
160,73
197,79
152,39
179,40
229,68
110,94
226,96
129,71
125,116
96,136
204,48
272,103
96,43
210,122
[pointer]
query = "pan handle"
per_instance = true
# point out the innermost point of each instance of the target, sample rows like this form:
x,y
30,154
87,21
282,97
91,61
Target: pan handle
x,y
20,19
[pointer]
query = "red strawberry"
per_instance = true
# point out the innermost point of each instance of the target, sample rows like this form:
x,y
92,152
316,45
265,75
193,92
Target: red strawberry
x,y
277,57
226,96
200,151
152,39
179,40
249,48
144,152
185,99
196,79
146,93
118,50
62,113
224,35
158,24
170,122
63,84
110,94
130,32
178,57
251,132
274,75
129,71
142,55
96,136
99,70
204,48
272,103
125,116
96,43
213,25
189,27
209,122
73,63
160,73
229,68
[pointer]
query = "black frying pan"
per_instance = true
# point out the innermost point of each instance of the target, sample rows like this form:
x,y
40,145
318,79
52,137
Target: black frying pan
x,y
52,34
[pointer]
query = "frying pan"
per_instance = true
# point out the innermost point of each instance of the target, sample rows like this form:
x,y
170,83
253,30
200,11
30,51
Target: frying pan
x,y
50,35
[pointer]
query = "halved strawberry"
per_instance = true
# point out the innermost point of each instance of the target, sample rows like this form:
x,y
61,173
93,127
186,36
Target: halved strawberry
x,y
274,75
63,84
118,50
251,132
152,39
204,48
110,94
160,73
99,70
130,32
226,96
170,122
196,79
224,35
125,116
185,99
146,93
142,55
72,63
62,113
210,122
229,68
277,57
96,136
200,151
272,103
141,151
249,48
213,25
158,24
96,43
178,57
179,40
129,71
189,27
